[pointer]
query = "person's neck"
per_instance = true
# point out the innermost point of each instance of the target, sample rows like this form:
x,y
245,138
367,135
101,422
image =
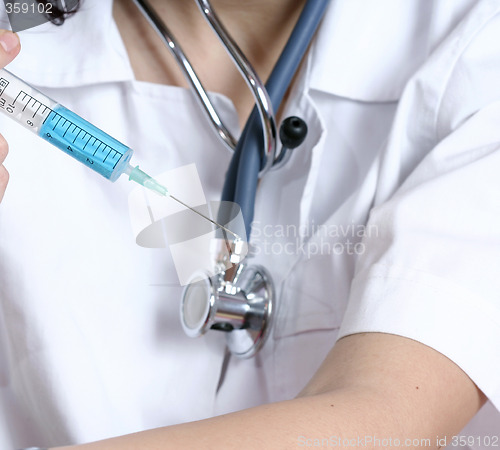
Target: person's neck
x,y
258,19
260,27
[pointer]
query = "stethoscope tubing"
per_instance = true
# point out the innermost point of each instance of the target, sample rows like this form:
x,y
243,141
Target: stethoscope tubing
x,y
252,155
242,177
256,86
197,87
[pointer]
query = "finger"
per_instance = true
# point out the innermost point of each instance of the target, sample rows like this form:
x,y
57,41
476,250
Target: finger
x,y
9,47
4,179
4,149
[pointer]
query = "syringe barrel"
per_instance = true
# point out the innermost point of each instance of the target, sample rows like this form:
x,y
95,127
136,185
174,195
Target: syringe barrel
x,y
62,127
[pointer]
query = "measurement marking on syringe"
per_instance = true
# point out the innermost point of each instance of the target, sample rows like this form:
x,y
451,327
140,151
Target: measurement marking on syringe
x,y
60,117
36,112
69,126
87,142
97,147
27,103
48,115
108,154
25,95
77,135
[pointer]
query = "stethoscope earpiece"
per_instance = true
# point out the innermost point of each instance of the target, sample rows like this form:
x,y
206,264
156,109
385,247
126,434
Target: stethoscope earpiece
x,y
293,132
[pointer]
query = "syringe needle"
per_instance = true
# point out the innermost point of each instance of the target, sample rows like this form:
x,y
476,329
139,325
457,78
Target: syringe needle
x,y
205,217
137,175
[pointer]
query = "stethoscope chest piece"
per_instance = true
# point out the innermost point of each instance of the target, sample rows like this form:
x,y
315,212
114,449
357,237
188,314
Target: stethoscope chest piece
x,y
240,300
240,304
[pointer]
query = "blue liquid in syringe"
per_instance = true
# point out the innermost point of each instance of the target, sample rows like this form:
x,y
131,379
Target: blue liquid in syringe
x,y
69,132
85,142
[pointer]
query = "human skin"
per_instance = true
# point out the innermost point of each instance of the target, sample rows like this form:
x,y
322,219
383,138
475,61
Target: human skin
x,y
261,29
9,49
370,385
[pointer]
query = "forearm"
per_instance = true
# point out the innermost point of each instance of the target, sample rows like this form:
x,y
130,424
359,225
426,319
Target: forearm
x,y
374,386
340,414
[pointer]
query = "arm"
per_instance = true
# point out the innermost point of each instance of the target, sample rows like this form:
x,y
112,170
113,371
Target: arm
x,y
371,384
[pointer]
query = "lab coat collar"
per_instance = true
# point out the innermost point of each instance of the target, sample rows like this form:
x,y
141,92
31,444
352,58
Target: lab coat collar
x,y
96,55
364,54
353,55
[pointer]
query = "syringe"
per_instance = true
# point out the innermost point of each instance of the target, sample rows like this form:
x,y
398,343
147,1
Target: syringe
x,y
75,136
69,132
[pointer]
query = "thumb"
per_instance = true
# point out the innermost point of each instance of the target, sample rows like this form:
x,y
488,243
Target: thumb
x,y
9,47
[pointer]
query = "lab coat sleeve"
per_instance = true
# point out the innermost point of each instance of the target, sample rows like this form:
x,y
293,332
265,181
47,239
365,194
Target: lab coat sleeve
x,y
432,271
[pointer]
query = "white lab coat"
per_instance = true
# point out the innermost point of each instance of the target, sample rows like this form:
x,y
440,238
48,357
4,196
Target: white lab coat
x,y
403,143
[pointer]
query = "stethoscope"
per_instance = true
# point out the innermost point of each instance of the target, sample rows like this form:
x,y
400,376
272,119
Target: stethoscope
x,y
241,301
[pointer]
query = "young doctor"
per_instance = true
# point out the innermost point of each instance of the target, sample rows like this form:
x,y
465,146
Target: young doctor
x,y
402,101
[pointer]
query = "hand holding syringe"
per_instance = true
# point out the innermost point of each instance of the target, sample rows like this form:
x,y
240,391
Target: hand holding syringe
x,y
9,49
75,136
